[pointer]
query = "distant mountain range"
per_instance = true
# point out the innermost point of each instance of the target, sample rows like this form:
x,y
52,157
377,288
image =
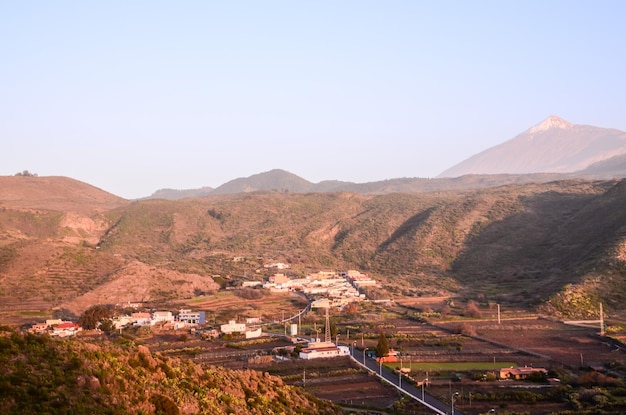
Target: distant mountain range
x,y
555,149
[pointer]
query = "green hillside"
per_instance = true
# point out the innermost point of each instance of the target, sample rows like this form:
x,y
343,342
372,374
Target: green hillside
x,y
40,375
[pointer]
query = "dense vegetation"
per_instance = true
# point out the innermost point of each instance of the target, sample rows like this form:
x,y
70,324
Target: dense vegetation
x,y
42,375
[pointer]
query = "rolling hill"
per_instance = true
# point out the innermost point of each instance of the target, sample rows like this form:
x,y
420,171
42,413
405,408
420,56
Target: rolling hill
x,y
524,245
55,193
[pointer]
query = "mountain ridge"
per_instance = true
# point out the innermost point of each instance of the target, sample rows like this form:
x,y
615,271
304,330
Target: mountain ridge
x,y
491,243
554,149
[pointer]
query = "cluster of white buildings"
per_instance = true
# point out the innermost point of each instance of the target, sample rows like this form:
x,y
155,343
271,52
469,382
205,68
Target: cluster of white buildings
x,y
184,319
337,288
56,328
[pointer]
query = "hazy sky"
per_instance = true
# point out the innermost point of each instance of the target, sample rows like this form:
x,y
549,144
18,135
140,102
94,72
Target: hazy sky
x,y
134,96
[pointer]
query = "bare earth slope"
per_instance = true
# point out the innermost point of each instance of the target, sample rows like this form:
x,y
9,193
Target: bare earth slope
x,y
55,193
525,244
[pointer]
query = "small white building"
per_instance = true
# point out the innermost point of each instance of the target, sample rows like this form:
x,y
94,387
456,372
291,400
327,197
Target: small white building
x,y
253,334
277,265
251,284
162,316
141,319
121,321
233,327
65,329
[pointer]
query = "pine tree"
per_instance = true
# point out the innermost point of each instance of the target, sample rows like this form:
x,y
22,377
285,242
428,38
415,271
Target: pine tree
x,y
382,348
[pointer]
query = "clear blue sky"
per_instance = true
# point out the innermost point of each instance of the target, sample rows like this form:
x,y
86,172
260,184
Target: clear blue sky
x,y
134,96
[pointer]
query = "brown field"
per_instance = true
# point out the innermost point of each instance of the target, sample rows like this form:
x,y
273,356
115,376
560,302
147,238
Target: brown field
x,y
339,380
561,344
226,304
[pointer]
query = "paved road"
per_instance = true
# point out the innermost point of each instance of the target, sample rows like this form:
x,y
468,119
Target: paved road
x,y
410,390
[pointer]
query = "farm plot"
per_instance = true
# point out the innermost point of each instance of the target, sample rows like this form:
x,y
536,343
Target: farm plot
x,y
338,380
568,345
423,342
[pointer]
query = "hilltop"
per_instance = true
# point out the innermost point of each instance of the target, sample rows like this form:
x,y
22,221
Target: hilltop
x,y
55,193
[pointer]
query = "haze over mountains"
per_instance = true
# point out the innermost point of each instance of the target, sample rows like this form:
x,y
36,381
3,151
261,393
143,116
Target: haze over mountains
x,y
543,238
554,149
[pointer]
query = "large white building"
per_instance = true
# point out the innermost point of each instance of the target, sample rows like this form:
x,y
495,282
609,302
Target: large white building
x,y
318,350
191,317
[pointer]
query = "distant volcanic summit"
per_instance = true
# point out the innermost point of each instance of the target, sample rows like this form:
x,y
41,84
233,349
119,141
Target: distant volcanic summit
x,y
549,123
552,146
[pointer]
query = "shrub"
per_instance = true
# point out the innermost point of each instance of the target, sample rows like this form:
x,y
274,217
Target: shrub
x,y
471,310
465,329
249,293
164,405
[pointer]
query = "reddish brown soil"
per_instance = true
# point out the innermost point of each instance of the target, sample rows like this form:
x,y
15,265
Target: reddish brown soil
x,y
561,343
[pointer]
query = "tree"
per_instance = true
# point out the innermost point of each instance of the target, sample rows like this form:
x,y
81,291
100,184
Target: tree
x,y
93,315
107,326
382,348
26,173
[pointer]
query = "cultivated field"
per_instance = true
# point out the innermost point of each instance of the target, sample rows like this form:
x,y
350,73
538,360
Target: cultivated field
x,y
558,343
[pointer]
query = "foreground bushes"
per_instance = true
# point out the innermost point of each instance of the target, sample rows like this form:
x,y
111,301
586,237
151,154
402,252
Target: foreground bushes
x,y
43,375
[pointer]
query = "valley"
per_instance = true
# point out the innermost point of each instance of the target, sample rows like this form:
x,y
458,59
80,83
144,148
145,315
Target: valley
x,y
443,261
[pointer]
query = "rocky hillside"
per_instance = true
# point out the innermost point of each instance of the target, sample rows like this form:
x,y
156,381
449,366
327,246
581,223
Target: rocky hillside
x,y
524,245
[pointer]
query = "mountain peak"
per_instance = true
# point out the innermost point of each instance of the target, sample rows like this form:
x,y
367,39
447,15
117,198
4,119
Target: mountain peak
x,y
549,123
553,146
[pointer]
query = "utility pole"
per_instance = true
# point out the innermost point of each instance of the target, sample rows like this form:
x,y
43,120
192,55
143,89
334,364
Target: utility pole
x,y
498,313
601,321
327,331
454,396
